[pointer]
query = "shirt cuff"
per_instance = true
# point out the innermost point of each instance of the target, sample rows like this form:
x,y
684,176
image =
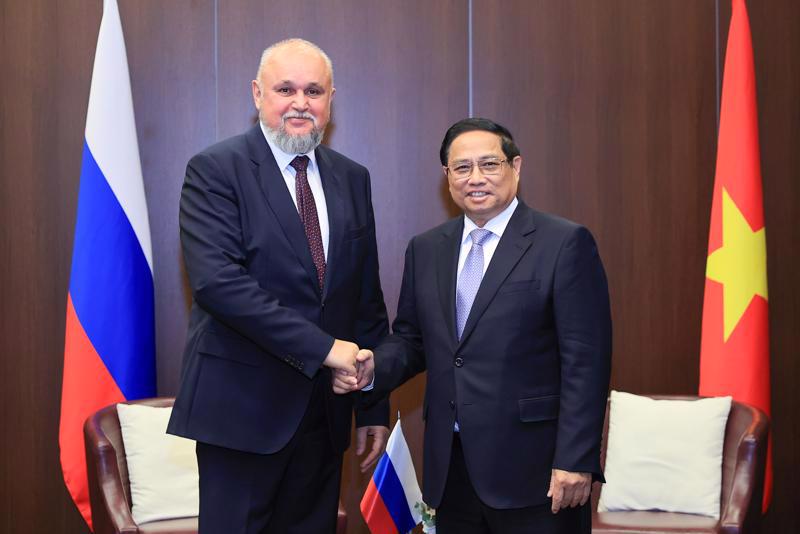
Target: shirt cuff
x,y
369,386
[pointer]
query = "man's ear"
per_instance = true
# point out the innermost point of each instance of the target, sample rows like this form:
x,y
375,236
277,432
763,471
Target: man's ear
x,y
256,94
517,164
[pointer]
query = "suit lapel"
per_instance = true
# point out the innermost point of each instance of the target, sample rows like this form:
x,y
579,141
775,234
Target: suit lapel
x,y
279,200
515,242
446,267
332,186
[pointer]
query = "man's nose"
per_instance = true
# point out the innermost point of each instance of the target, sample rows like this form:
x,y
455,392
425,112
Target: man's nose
x,y
300,101
475,176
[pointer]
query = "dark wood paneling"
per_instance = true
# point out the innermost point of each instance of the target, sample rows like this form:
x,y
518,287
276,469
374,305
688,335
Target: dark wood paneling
x,y
46,57
613,104
775,26
400,81
616,117
394,97
46,60
173,72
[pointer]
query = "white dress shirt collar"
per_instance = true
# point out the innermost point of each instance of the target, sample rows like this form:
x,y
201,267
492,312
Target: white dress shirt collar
x,y
496,225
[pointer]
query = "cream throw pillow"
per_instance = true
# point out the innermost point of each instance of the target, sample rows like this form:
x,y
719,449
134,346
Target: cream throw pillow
x,y
664,454
162,467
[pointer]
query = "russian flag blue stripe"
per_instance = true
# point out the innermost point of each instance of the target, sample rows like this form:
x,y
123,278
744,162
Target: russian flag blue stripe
x,y
112,286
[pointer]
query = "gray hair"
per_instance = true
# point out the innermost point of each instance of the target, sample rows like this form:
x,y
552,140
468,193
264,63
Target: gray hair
x,y
270,50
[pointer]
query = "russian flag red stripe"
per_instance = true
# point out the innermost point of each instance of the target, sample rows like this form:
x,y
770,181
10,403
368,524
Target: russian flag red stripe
x,y
372,507
87,387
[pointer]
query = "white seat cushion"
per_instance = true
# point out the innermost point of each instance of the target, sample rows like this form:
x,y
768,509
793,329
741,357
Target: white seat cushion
x,y
664,454
162,468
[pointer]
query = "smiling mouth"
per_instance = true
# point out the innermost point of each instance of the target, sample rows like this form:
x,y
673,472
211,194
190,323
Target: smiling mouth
x,y
478,194
298,119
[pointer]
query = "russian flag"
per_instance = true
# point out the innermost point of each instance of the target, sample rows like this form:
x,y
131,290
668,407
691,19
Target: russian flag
x,y
109,346
389,504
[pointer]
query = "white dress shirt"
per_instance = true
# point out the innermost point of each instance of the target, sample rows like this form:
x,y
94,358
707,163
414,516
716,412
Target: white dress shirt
x,y
496,225
314,181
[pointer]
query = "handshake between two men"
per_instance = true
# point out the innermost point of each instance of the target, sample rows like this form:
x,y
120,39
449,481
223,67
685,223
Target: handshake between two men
x,y
353,368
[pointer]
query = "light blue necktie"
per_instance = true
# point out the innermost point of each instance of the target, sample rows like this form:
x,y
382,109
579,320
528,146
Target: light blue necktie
x,y
470,279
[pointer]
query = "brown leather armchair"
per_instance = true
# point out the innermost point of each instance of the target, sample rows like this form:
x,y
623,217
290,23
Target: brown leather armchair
x,y
109,486
743,462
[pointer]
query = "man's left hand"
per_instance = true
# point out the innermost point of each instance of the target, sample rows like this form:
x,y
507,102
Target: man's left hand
x,y
569,489
380,434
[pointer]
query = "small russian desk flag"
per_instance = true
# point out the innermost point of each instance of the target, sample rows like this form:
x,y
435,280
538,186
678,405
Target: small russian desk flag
x,y
389,504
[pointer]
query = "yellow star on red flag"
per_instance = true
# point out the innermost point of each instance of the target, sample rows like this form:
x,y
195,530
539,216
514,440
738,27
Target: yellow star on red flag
x,y
740,264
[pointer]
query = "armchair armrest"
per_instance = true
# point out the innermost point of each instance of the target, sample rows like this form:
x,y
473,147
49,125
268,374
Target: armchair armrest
x,y
742,511
111,512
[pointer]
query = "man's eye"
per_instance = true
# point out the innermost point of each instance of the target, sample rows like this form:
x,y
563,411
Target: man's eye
x,y
489,165
284,90
313,92
462,169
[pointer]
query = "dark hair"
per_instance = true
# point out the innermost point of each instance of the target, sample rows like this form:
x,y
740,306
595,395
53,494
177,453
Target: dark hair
x,y
485,125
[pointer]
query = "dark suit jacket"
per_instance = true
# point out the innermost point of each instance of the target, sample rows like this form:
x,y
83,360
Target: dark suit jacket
x,y
259,328
528,379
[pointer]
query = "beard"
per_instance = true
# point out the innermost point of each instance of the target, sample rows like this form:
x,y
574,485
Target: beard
x,y
295,144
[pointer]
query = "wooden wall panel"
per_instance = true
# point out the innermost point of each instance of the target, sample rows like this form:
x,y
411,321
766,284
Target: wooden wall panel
x,y
613,104
46,58
400,81
394,98
173,74
775,25
45,88
616,115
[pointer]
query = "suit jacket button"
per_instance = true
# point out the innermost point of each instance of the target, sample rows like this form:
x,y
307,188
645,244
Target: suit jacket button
x,y
459,362
452,405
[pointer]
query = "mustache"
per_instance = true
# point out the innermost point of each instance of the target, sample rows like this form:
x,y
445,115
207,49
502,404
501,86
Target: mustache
x,y
299,115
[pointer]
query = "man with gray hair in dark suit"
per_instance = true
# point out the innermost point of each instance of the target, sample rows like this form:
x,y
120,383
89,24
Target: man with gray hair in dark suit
x,y
278,237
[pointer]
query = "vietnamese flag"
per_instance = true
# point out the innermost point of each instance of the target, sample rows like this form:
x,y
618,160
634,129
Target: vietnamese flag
x,y
734,352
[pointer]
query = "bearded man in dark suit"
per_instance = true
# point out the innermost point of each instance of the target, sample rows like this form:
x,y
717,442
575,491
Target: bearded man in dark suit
x,y
278,238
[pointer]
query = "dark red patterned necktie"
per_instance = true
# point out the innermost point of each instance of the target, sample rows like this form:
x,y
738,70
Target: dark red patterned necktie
x,y
308,215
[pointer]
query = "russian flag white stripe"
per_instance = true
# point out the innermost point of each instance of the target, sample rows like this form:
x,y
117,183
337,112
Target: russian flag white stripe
x,y
111,128
398,452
